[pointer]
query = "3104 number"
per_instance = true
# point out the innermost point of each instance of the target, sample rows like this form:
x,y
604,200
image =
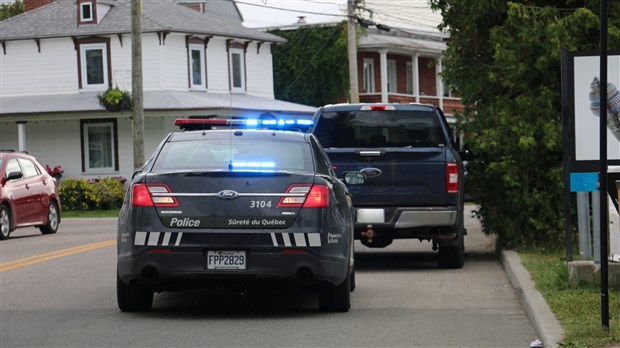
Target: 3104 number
x,y
260,204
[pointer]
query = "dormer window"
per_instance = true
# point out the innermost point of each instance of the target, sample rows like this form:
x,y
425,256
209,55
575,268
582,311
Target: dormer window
x,y
87,13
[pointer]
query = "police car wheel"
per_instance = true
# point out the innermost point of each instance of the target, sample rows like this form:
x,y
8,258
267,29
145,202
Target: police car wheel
x,y
133,297
353,285
336,298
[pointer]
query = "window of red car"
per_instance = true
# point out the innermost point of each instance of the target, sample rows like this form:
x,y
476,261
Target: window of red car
x,y
12,166
30,169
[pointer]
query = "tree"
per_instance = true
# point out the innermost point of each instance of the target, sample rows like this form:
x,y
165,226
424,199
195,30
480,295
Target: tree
x,y
8,10
504,60
312,67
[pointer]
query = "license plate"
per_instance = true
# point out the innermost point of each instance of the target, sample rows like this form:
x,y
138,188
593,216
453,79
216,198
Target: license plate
x,y
371,216
226,259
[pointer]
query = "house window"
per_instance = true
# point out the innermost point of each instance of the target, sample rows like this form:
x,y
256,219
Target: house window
x,y
99,150
391,78
94,66
197,66
86,12
369,76
237,69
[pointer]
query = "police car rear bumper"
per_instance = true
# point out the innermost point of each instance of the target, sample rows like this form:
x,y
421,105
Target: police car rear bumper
x,y
160,268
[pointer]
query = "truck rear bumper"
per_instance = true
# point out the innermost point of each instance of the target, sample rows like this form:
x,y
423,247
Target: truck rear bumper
x,y
400,218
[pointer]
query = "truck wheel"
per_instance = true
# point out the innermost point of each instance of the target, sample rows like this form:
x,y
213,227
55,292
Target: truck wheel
x,y
133,297
453,255
336,298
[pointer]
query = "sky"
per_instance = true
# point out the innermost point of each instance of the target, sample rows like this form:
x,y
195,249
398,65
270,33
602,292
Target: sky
x,y
406,14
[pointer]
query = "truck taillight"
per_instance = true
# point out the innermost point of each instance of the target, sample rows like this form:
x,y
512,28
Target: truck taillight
x,y
316,196
149,195
452,178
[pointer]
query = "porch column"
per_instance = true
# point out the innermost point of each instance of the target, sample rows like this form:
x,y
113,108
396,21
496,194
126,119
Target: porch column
x,y
439,82
384,77
416,76
21,135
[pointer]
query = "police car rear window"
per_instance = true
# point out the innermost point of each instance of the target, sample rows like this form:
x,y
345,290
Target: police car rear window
x,y
238,155
383,128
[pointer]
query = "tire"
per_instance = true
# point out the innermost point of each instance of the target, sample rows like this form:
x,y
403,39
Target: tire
x,y
133,297
453,255
353,285
5,222
336,298
53,217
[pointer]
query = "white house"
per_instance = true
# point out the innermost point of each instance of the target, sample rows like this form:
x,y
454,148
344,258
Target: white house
x,y
56,58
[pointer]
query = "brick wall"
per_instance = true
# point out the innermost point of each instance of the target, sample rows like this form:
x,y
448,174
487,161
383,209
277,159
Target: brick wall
x,y
32,4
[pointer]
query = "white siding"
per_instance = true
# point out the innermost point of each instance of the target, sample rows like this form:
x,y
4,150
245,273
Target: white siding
x,y
174,68
121,62
217,66
259,67
25,71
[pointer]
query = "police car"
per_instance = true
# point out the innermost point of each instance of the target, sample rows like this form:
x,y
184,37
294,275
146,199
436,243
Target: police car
x,y
226,205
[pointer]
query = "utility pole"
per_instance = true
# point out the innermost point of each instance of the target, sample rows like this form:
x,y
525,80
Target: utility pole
x,y
352,45
136,84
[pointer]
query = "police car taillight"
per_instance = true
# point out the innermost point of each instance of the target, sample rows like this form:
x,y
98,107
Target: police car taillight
x,y
378,107
315,196
149,195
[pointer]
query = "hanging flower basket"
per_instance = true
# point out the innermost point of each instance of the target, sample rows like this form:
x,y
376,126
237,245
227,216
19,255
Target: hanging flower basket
x,y
115,100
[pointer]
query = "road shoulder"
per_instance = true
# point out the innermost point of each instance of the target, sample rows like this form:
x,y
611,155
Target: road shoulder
x,y
537,309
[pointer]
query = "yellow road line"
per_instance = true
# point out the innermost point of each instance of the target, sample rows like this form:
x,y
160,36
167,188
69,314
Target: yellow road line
x,y
9,265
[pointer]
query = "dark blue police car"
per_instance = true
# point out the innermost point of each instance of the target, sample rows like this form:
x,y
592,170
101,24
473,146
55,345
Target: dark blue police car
x,y
227,205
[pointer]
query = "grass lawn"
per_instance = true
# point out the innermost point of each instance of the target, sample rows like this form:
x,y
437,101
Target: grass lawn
x,y
578,308
89,213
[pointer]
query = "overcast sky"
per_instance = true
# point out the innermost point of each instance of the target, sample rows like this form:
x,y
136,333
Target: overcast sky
x,y
409,14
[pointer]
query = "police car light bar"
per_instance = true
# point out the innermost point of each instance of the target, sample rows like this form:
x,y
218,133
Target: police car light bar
x,y
201,123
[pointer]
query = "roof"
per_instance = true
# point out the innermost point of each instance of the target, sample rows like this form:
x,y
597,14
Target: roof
x,y
59,19
153,101
404,43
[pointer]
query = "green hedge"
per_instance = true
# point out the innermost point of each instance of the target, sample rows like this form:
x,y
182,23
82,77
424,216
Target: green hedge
x,y
93,194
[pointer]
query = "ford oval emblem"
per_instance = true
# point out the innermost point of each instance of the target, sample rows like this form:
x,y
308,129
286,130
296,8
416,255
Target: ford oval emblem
x,y
228,194
371,172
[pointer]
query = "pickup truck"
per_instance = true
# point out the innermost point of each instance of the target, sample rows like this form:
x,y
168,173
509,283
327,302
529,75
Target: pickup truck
x,y
414,173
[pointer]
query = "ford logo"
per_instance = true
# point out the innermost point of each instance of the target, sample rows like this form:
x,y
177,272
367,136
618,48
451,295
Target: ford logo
x,y
371,172
228,194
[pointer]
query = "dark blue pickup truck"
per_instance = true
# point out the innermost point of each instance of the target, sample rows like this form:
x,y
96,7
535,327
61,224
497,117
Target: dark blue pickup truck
x,y
414,173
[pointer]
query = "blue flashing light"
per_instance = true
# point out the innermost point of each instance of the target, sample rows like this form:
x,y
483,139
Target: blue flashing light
x,y
196,123
253,165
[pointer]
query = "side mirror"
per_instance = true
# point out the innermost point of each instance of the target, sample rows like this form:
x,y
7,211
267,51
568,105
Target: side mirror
x,y
354,178
14,176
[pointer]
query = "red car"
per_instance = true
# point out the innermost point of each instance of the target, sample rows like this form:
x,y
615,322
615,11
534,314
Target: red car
x,y
28,195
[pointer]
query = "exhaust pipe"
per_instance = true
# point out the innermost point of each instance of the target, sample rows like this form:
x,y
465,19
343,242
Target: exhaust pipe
x,y
149,274
304,275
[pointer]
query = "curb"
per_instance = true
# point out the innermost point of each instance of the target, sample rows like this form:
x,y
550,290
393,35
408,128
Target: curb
x,y
537,309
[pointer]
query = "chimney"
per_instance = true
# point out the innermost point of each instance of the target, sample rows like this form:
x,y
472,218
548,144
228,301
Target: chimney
x,y
32,4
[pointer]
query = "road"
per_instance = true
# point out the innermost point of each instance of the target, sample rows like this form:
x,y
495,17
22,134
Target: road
x,y
59,291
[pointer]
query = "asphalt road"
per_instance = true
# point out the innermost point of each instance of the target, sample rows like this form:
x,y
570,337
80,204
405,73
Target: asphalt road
x,y
59,291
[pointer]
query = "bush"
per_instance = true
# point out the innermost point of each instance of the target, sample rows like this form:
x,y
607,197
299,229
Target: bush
x,y
110,192
78,194
103,194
